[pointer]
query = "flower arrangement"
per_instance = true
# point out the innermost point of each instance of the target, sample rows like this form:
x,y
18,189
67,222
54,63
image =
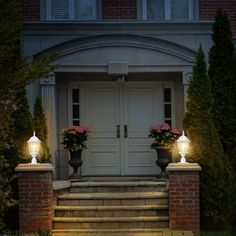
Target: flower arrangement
x,y
164,135
75,137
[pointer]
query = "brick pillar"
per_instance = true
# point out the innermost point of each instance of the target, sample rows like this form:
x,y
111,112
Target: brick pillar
x,y
35,196
184,194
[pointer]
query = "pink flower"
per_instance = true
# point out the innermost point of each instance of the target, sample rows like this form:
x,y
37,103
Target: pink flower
x,y
79,129
174,131
152,128
86,129
165,127
71,128
71,132
75,137
157,128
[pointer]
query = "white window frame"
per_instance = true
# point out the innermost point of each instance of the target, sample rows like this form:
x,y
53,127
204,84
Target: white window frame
x,y
71,12
167,10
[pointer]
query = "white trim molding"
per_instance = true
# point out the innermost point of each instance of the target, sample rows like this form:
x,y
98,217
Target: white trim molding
x,y
49,104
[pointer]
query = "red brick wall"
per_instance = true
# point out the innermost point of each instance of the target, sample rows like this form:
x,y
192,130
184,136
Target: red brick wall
x,y
127,9
119,9
207,10
31,10
35,201
184,213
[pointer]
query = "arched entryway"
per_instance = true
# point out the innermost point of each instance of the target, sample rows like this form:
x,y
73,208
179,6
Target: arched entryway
x,y
119,113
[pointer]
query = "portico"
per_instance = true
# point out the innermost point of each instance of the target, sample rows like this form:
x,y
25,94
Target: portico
x,y
85,91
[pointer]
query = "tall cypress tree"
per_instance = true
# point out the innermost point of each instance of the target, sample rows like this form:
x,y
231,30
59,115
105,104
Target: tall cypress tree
x,y
222,74
216,177
40,128
21,128
16,72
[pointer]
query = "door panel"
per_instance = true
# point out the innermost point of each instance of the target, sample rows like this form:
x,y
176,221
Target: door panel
x,y
103,156
140,112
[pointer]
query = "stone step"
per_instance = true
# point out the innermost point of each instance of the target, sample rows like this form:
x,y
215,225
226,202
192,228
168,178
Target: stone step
x,y
106,198
117,207
111,232
110,211
118,186
144,222
120,178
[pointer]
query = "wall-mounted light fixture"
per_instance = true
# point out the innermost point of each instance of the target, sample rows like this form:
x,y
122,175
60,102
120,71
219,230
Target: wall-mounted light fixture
x,y
118,70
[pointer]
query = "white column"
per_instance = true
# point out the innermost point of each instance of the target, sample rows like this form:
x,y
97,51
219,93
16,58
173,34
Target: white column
x,y
187,75
49,104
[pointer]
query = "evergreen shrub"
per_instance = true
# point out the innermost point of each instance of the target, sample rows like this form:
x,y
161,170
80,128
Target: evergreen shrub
x,y
217,178
40,128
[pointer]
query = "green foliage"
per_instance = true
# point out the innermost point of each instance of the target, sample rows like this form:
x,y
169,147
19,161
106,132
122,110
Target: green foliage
x,y
222,74
75,137
21,128
217,180
40,128
14,233
9,53
39,121
164,135
5,190
16,72
42,232
219,233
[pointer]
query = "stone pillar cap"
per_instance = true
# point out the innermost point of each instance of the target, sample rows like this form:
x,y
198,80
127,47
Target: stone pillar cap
x,y
183,167
34,167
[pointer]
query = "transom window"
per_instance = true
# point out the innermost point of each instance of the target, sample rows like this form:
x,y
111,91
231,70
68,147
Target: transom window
x,y
71,9
168,9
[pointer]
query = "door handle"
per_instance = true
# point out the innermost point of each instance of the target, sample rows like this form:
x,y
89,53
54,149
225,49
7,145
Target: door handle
x,y
118,131
125,131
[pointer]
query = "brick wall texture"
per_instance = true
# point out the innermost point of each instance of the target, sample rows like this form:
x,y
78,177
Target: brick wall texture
x,y
127,9
207,10
184,212
31,10
35,201
119,9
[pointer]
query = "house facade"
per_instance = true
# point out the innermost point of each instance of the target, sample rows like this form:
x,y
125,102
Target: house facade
x,y
123,66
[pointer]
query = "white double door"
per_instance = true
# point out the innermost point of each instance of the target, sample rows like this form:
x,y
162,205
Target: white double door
x,y
120,115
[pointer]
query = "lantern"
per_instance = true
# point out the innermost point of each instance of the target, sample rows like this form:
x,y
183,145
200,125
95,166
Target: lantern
x,y
34,146
183,146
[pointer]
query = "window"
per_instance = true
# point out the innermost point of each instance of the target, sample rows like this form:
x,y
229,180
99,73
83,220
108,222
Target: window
x,y
156,9
168,9
71,9
167,106
75,106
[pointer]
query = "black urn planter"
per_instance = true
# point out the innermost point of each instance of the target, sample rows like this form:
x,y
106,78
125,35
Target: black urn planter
x,y
75,162
164,157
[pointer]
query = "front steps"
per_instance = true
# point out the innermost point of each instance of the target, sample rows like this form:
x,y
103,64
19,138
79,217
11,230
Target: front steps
x,y
117,208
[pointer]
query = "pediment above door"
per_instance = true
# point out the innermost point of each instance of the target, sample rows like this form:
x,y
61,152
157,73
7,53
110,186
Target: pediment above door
x,y
138,51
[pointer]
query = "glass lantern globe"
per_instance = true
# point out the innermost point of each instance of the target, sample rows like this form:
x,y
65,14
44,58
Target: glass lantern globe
x,y
34,147
183,146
